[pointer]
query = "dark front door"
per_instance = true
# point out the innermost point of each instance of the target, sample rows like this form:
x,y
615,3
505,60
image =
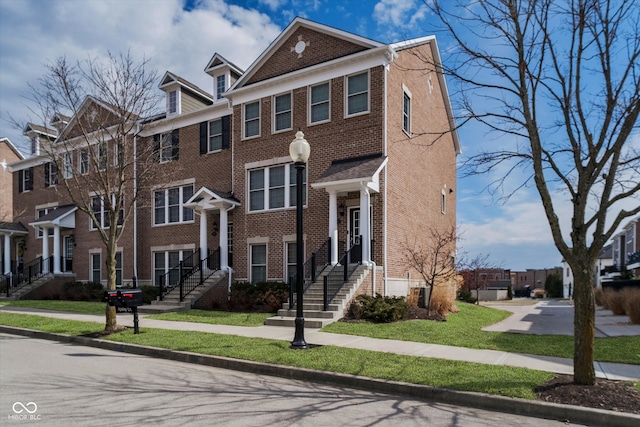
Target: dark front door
x,y
67,265
355,241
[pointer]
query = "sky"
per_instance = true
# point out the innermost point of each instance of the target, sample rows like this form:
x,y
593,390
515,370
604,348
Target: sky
x,y
182,35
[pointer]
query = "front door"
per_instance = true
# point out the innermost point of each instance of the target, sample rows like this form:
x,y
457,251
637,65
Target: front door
x,y
354,235
67,265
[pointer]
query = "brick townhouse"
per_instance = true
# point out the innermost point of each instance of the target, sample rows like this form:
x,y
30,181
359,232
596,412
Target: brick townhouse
x,y
382,167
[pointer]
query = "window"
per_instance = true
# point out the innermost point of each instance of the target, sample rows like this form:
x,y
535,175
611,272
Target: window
x,y
101,211
252,119
215,135
25,180
167,205
96,275
68,166
50,174
167,146
258,263
118,269
39,214
443,202
290,269
164,261
118,158
173,102
293,178
358,93
102,156
230,243
268,188
83,162
319,103
282,112
406,113
221,86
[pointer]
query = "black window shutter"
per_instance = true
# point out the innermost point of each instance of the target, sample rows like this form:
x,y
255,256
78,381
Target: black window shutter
x,y
175,144
226,131
30,179
203,137
156,147
20,181
47,168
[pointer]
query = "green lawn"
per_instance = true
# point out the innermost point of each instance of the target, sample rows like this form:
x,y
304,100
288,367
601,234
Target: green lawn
x,y
464,329
83,307
499,380
215,317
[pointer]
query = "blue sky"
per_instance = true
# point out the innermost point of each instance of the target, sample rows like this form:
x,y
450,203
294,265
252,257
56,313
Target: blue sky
x,y
181,37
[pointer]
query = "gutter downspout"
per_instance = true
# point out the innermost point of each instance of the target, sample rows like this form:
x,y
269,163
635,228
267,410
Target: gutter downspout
x,y
135,202
386,185
229,269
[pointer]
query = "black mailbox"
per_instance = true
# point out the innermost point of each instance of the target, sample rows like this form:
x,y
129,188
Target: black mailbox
x,y
126,298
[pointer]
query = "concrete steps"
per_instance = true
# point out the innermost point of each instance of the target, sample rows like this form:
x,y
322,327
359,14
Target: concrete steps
x,y
27,288
171,302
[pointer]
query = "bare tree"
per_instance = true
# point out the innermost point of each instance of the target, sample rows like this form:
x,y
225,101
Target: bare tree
x,y
107,103
559,82
433,257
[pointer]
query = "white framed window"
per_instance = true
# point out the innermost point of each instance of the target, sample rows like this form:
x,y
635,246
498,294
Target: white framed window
x,y
68,166
101,152
118,269
251,126
406,112
166,147
215,135
101,212
50,174
172,102
319,105
168,205
96,268
83,162
274,187
25,180
357,94
118,158
291,260
164,261
40,212
221,85
258,263
282,112
443,202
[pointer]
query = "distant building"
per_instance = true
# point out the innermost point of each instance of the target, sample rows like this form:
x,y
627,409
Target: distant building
x,y
534,278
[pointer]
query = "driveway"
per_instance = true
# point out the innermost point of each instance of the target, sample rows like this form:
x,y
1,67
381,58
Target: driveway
x,y
550,317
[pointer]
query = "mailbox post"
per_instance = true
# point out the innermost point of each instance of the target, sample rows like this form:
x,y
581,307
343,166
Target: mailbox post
x,y
128,298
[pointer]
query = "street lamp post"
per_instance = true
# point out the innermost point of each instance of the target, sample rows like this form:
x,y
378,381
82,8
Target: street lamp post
x,y
299,151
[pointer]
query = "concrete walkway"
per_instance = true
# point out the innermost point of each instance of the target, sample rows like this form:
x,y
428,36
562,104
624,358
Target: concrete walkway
x,y
522,320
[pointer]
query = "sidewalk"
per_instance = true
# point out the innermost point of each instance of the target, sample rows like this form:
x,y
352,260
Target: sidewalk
x,y
613,371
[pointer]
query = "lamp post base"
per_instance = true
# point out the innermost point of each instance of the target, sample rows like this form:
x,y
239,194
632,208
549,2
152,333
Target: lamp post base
x,y
298,342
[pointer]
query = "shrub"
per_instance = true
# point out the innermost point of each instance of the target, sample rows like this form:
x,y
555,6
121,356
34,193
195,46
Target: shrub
x,y
615,301
442,301
598,294
268,296
80,291
553,286
379,309
632,306
466,296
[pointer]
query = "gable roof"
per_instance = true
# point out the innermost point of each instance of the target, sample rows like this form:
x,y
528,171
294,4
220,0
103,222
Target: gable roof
x,y
170,78
12,147
40,130
59,216
218,61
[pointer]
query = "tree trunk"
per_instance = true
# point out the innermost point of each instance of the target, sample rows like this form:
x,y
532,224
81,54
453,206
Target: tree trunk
x,y
111,322
584,324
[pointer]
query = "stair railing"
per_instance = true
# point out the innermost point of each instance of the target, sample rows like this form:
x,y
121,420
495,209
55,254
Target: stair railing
x,y
190,273
339,274
25,274
312,268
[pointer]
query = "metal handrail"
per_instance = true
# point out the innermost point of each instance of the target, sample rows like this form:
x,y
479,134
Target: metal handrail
x,y
189,274
25,274
633,258
338,276
312,268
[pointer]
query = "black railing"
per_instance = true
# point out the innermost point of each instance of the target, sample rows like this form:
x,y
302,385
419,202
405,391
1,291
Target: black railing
x,y
311,269
633,258
25,274
610,269
340,274
189,274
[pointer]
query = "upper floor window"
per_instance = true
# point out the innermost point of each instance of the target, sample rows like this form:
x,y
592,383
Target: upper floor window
x,y
168,205
406,112
252,119
50,174
102,156
274,188
282,112
68,165
443,202
173,102
101,210
118,158
358,93
167,146
319,103
25,180
215,135
83,162
221,86
39,214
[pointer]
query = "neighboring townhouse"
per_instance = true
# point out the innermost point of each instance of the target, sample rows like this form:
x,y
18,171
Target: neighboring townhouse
x,y
625,246
382,169
8,229
603,266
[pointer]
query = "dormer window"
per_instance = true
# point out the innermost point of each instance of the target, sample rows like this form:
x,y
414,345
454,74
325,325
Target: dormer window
x,y
221,85
173,102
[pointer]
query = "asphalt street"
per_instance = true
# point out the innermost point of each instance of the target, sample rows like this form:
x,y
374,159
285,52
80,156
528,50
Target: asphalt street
x,y
47,383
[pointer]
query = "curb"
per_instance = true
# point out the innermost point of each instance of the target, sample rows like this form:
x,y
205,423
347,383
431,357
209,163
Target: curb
x,y
516,406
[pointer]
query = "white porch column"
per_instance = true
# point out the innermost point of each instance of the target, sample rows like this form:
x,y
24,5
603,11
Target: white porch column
x,y
7,254
365,227
224,239
45,249
56,250
203,234
333,226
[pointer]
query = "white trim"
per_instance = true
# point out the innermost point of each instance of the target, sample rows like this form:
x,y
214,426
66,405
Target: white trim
x,y
259,118
346,94
309,88
406,92
274,113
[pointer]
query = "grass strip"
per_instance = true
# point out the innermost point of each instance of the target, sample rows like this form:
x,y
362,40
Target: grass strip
x,y
214,317
82,307
464,329
466,376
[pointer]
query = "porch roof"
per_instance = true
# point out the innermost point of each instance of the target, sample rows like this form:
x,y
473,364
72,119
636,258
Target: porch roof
x,y
209,199
13,228
350,174
60,216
